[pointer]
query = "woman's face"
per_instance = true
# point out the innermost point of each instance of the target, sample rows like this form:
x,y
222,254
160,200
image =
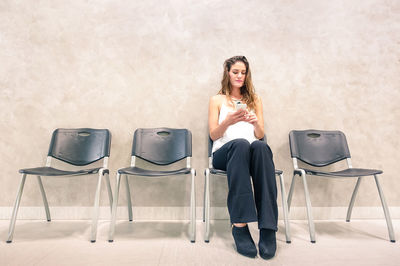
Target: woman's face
x,y
237,74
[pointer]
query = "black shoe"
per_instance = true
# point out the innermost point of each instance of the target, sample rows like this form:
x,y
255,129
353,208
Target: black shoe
x,y
244,243
267,243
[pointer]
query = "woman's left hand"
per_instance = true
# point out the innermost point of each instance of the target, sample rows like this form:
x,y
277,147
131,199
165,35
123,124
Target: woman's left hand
x,y
251,118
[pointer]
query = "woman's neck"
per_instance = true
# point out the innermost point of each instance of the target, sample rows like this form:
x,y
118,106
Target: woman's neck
x,y
235,94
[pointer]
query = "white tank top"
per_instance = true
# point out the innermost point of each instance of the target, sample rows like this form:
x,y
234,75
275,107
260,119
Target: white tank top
x,y
243,130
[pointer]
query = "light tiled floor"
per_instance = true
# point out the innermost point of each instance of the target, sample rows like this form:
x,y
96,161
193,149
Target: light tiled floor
x,y
360,242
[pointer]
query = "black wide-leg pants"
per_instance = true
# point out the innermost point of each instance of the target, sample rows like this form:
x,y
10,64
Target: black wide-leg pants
x,y
242,160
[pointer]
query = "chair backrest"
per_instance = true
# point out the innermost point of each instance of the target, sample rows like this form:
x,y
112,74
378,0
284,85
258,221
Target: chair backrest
x,y
318,147
210,144
80,146
162,146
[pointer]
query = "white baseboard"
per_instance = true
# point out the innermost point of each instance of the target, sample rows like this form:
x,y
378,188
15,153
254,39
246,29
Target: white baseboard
x,y
182,213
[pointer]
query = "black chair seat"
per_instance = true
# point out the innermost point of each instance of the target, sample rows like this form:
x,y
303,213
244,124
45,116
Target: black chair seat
x,y
217,171
50,171
350,172
221,172
145,172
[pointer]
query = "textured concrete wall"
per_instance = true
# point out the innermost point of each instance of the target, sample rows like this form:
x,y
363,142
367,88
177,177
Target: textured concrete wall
x,y
128,64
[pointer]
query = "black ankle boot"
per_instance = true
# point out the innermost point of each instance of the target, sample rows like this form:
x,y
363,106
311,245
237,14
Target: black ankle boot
x,y
267,243
244,243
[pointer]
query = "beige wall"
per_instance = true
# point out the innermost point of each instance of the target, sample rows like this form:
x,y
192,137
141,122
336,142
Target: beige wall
x,y
128,64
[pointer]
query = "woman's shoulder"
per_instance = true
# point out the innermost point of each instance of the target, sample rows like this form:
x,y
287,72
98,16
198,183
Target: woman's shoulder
x,y
257,99
217,99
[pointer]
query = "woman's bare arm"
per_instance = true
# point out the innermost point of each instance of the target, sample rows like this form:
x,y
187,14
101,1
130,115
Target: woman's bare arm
x,y
216,130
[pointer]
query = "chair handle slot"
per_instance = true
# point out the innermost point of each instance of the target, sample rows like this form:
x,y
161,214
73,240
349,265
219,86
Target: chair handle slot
x,y
163,133
84,134
313,135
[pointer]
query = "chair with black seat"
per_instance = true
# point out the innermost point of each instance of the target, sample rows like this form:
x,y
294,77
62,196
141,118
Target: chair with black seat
x,y
77,147
162,147
206,204
319,148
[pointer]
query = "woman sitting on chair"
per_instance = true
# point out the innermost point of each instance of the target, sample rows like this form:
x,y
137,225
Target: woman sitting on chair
x,y
236,124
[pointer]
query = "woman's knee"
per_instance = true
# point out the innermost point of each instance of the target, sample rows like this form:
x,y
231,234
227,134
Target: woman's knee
x,y
240,144
261,146
258,144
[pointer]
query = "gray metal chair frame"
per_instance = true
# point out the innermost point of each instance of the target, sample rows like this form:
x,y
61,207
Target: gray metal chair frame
x,y
152,145
89,145
320,148
206,204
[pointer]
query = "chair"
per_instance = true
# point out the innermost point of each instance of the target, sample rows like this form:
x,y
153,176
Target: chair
x,y
158,146
206,204
319,148
77,147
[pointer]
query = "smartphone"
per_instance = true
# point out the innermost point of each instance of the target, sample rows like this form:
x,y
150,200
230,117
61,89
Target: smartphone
x,y
240,105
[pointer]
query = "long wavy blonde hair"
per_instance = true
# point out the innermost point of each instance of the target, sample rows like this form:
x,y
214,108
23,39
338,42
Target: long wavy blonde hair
x,y
247,90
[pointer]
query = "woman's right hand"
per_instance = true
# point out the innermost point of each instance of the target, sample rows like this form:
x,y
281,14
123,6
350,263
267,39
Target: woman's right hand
x,y
236,116
217,130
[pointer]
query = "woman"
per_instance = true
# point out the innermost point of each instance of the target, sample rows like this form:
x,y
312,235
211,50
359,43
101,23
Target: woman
x,y
238,150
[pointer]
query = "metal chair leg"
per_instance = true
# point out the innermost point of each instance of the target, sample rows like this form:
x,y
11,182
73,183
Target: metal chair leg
x,y
204,197
15,210
46,204
109,190
385,210
309,211
114,209
96,207
128,196
193,208
206,206
289,200
353,198
285,209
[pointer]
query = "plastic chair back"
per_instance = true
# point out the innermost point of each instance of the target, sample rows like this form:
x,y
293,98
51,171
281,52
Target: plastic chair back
x,y
81,146
210,144
317,147
162,146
